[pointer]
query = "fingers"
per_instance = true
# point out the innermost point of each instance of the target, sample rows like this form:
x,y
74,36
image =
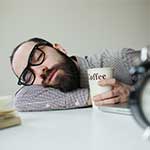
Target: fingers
x,y
109,101
105,82
124,99
119,93
106,95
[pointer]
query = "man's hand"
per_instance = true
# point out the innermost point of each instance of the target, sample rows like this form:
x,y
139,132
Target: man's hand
x,y
118,94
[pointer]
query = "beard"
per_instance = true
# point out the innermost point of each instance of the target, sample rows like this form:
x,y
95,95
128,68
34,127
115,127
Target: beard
x,y
67,80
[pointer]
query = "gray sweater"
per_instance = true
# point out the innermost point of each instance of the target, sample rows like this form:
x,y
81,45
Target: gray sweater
x,y
38,98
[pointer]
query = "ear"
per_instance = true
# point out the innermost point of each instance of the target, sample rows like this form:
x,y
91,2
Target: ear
x,y
59,47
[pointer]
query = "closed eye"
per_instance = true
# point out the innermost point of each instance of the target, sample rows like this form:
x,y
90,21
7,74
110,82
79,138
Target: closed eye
x,y
37,57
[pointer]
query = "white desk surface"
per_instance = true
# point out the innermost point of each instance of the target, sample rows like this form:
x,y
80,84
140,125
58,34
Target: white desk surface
x,y
78,129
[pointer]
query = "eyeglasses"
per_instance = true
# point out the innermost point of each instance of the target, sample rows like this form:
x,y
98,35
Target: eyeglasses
x,y
36,57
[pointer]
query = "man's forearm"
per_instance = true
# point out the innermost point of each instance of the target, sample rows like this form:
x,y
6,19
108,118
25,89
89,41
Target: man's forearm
x,y
38,98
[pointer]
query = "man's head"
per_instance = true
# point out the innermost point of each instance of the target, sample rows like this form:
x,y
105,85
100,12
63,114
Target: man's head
x,y
36,61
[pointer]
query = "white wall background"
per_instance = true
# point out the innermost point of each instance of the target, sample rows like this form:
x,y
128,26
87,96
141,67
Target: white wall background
x,y
149,17
81,26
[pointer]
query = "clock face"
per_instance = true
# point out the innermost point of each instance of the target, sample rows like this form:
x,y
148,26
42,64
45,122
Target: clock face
x,y
145,100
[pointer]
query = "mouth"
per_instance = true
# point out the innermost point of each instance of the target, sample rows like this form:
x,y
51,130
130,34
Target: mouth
x,y
51,76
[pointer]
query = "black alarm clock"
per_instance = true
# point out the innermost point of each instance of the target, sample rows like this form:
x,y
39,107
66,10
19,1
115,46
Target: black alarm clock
x,y
139,99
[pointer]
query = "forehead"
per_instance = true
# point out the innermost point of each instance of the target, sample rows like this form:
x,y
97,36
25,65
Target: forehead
x,y
21,56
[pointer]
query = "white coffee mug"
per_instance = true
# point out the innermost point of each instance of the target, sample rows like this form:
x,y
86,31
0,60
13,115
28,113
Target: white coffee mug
x,y
94,76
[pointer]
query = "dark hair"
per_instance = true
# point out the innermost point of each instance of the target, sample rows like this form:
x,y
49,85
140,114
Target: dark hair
x,y
36,40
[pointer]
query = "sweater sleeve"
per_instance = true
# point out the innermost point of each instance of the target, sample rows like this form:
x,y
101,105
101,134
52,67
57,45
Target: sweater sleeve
x,y
38,98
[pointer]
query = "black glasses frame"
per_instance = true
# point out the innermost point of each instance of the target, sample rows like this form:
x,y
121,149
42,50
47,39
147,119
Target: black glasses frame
x,y
27,68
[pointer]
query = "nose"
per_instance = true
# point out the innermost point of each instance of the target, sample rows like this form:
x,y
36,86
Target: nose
x,y
40,70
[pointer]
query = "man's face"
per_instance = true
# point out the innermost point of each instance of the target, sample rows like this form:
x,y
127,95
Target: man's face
x,y
57,69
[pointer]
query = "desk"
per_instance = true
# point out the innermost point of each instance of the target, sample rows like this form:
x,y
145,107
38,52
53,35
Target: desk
x,y
78,129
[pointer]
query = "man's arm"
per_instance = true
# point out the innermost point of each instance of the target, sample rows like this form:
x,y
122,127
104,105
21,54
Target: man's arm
x,y
38,98
121,61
